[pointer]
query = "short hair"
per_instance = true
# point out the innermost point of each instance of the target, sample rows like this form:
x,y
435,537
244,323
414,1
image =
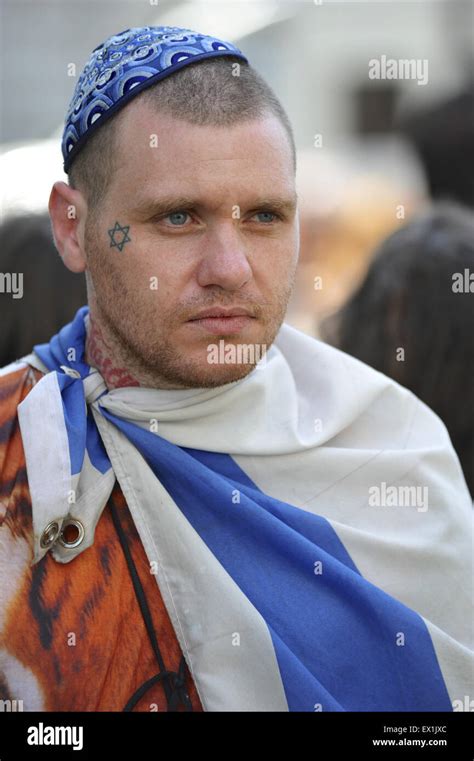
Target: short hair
x,y
205,93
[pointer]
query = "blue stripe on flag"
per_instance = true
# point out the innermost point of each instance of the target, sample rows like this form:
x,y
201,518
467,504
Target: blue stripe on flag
x,y
334,633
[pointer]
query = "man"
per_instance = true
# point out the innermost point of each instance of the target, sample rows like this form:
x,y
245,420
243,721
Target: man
x,y
205,509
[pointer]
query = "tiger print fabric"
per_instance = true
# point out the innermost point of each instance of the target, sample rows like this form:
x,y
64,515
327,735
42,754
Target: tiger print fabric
x,y
72,636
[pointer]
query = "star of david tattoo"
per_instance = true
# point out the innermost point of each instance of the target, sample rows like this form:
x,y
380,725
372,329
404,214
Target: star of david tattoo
x,y
119,243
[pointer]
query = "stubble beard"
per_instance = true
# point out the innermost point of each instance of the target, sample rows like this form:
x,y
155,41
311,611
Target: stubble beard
x,y
153,359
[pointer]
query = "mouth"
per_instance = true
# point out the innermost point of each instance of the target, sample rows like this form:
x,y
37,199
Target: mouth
x,y
221,321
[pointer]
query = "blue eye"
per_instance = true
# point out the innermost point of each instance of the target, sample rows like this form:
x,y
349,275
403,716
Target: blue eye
x,y
179,218
266,214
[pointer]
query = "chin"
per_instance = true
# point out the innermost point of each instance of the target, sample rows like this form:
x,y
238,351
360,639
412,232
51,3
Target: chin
x,y
218,375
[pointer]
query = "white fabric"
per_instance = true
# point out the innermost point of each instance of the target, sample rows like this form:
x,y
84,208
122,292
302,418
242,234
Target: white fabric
x,y
315,428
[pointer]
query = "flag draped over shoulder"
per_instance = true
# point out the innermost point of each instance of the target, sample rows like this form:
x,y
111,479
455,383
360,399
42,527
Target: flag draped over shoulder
x,y
308,526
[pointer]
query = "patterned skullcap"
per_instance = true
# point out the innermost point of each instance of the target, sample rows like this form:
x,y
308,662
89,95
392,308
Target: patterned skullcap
x,y
124,65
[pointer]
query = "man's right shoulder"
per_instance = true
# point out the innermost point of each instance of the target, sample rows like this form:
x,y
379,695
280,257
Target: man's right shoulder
x,y
16,381
17,378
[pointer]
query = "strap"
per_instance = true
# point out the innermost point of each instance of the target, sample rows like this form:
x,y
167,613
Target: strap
x,y
174,683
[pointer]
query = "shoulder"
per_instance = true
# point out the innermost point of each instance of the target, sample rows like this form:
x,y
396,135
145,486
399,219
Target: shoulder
x,y
16,381
358,405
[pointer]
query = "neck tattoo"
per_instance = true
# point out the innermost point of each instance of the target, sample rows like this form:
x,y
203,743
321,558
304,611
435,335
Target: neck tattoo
x,y
99,354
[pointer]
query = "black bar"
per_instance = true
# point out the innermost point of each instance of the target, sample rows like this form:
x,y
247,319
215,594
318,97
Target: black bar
x,y
316,736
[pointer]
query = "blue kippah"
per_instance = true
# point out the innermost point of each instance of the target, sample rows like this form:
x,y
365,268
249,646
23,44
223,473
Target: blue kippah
x,y
124,65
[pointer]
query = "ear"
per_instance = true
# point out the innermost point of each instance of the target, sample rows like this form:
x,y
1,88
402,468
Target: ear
x,y
68,212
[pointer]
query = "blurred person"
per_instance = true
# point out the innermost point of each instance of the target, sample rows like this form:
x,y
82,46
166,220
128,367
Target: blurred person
x,y
412,317
223,513
46,295
443,136
338,236
348,203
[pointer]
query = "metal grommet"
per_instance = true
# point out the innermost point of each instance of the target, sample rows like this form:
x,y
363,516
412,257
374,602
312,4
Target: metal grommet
x,y
70,371
69,545
50,534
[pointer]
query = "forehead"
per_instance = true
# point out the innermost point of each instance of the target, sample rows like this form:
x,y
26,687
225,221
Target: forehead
x,y
158,151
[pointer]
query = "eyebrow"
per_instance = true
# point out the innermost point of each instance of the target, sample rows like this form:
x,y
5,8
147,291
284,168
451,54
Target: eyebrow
x,y
166,204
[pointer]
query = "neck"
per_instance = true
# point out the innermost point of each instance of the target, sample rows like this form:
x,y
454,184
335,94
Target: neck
x,y
101,354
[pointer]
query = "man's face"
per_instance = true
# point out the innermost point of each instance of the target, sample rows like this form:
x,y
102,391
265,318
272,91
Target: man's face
x,y
212,225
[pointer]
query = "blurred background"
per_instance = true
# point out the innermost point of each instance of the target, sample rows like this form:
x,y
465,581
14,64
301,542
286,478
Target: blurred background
x,y
373,155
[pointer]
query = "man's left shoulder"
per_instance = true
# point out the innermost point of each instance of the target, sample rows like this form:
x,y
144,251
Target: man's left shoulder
x,y
359,405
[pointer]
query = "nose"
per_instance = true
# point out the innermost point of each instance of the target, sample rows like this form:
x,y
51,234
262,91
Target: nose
x,y
225,262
